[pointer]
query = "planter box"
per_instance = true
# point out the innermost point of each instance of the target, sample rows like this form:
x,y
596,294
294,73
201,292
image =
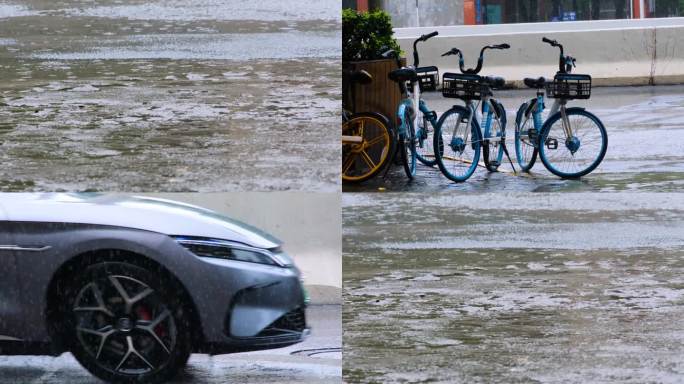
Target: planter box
x,y
382,95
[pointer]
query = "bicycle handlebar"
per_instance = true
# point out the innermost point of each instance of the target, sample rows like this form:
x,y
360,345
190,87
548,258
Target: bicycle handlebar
x,y
416,59
453,51
565,63
429,35
391,53
480,60
500,46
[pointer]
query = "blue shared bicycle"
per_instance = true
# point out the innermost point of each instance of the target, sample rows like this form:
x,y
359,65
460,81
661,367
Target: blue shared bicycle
x,y
415,141
572,141
458,138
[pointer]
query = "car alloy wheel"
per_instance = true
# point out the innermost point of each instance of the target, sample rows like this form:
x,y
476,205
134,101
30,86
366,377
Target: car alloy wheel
x,y
127,327
123,325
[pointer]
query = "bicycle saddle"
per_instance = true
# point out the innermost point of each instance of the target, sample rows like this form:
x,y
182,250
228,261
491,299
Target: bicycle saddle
x,y
403,74
494,81
361,77
535,83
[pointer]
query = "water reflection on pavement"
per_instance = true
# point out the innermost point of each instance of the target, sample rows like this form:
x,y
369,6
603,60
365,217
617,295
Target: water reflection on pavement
x,y
513,288
174,95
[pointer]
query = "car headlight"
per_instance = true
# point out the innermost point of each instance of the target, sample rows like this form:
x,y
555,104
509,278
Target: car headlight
x,y
228,250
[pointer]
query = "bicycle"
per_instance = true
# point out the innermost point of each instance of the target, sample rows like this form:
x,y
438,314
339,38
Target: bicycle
x,y
457,147
583,138
413,145
367,139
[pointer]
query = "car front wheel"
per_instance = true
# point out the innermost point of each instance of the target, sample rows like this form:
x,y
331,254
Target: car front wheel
x,y
126,324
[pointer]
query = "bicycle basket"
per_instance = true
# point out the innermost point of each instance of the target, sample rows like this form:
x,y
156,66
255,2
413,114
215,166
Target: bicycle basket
x,y
569,86
462,86
428,78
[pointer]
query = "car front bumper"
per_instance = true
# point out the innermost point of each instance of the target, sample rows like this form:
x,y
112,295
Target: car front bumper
x,y
246,306
255,343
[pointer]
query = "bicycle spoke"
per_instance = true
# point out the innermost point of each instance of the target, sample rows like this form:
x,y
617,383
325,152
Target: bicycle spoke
x,y
367,160
460,148
576,154
349,163
375,140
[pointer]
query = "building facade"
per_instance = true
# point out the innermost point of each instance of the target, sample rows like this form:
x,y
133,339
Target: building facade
x,y
427,13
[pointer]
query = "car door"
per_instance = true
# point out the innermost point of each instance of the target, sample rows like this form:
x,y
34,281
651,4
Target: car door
x,y
10,300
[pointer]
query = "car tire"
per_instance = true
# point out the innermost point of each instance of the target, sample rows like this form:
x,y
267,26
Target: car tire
x,y
127,324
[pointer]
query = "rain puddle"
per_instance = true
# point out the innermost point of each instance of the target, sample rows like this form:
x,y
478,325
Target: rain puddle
x,y
513,288
174,95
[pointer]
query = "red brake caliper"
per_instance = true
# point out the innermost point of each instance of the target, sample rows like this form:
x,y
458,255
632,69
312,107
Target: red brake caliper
x,y
144,314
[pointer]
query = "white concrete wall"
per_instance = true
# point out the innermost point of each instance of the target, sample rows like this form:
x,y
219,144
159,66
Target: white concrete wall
x,y
614,52
310,225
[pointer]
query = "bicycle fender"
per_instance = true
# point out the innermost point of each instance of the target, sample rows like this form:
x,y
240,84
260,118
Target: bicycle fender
x,y
524,110
500,112
401,112
377,115
530,108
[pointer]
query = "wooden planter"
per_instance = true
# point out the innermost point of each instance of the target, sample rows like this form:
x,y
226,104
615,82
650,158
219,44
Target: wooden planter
x,y
382,95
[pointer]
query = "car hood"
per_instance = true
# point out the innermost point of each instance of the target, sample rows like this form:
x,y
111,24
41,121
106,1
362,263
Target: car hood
x,y
145,213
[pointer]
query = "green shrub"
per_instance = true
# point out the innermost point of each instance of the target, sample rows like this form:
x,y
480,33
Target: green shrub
x,y
366,34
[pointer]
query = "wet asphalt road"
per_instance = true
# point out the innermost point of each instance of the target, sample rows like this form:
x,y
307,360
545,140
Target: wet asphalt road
x,y
513,288
285,366
179,95
645,147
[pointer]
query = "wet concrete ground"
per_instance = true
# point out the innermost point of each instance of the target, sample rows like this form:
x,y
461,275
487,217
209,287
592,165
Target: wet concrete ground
x,y
294,364
513,288
202,95
645,151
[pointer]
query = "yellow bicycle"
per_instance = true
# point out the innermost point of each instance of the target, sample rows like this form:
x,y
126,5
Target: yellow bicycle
x,y
367,139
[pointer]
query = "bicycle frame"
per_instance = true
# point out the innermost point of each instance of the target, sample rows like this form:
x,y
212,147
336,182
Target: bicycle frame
x,y
487,118
558,105
565,65
410,102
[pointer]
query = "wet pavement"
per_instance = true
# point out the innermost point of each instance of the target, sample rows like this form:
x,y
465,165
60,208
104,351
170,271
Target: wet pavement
x,y
318,360
180,95
513,288
645,152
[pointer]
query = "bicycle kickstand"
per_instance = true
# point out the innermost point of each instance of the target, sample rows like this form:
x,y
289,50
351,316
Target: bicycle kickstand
x,y
509,158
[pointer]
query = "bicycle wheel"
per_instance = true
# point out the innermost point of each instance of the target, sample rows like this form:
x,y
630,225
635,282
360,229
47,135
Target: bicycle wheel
x,y
407,147
494,150
577,155
366,145
459,145
525,137
424,143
